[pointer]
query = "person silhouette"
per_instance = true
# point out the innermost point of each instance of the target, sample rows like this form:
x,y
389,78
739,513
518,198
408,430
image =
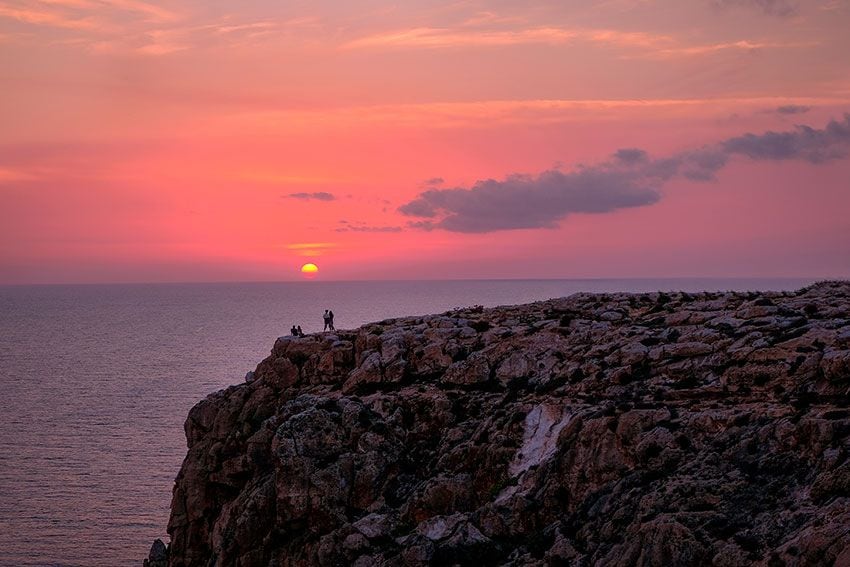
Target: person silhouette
x,y
331,320
293,331
300,332
327,319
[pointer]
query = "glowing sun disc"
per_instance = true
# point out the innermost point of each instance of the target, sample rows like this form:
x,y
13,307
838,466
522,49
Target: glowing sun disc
x,y
309,270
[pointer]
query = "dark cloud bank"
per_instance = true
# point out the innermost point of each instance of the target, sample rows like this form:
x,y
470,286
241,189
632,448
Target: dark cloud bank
x,y
630,178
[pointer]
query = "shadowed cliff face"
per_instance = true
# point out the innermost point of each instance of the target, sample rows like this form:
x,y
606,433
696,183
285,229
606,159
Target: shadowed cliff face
x,y
656,429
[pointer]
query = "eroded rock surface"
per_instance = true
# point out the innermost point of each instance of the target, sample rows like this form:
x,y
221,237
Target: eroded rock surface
x,y
619,429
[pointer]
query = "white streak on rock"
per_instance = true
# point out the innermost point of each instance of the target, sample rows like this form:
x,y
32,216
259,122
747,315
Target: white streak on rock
x,y
543,424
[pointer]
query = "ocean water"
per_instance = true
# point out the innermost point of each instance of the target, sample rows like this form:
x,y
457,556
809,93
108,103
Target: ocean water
x,y
96,381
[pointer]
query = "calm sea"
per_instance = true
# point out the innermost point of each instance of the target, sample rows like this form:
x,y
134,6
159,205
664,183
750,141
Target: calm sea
x,y
97,380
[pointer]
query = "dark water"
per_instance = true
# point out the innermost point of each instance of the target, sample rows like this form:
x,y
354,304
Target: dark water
x,y
97,380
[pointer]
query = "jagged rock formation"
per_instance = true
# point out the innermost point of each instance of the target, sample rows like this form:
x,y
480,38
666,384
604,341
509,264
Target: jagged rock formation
x,y
620,429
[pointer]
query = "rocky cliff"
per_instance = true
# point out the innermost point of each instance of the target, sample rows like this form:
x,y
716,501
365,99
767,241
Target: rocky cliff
x,y
618,429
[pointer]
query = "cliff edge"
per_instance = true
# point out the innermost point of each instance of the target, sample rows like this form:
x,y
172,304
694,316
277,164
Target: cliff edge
x,y
617,429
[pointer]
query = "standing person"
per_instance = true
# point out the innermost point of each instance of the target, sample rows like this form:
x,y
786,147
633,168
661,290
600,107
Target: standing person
x,y
331,320
327,319
293,331
300,332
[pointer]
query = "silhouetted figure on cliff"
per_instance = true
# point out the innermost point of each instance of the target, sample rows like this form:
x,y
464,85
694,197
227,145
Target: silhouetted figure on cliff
x,y
331,320
327,319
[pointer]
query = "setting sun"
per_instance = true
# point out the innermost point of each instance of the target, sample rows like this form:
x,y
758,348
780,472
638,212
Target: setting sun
x,y
309,270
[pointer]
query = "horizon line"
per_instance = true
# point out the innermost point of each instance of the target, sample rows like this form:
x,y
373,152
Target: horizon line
x,y
814,279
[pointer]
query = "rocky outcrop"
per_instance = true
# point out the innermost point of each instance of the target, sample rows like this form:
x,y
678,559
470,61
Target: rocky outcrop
x,y
619,429
158,556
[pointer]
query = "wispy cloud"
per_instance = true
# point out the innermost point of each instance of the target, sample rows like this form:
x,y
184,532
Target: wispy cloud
x,y
433,182
491,18
167,40
99,16
311,249
311,245
252,27
47,17
475,113
792,109
368,228
630,178
137,26
154,12
782,8
162,42
743,45
439,38
8,174
316,196
638,43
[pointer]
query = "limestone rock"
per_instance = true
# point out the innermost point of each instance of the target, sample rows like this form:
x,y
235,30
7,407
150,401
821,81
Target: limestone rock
x,y
612,429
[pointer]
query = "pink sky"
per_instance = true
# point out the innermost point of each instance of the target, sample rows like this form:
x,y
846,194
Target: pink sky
x,y
215,141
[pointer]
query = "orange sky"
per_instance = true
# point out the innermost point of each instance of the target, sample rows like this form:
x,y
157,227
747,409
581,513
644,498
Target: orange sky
x,y
216,141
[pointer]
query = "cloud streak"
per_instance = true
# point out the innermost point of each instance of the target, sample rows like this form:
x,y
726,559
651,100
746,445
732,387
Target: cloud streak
x,y
367,228
50,18
317,196
441,38
630,178
793,109
135,26
782,8
639,43
8,175
83,15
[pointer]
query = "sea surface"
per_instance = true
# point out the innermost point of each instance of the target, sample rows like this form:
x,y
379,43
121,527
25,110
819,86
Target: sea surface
x,y
96,381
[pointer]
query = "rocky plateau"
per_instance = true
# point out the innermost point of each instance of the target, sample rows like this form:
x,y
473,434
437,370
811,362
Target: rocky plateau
x,y
597,429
